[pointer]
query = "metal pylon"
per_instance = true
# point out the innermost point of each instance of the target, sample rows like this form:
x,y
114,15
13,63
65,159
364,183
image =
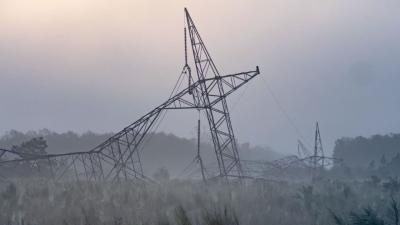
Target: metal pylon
x,y
118,158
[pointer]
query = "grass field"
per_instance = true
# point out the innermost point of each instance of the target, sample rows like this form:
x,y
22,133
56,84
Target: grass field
x,y
40,202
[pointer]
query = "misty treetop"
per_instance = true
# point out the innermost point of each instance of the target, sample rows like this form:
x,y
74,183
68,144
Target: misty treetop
x,y
34,146
57,142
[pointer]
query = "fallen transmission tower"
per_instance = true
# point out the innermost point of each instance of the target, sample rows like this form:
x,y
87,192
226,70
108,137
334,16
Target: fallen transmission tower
x,y
314,162
119,156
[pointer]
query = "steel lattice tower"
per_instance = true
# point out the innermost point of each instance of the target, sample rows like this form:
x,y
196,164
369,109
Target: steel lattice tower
x,y
118,158
217,112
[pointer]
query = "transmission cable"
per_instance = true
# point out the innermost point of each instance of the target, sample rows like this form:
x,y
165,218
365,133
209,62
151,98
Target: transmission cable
x,y
163,113
239,98
284,112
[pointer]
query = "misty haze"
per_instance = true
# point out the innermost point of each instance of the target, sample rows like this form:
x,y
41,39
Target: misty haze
x,y
199,112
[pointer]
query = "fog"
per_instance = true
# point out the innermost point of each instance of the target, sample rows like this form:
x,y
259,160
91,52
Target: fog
x,y
73,73
100,65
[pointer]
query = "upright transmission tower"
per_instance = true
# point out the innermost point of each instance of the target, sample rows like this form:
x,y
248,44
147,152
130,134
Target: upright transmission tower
x,y
318,157
314,161
119,156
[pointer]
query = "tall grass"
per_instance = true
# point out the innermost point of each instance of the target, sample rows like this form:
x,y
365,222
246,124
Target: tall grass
x,y
369,216
179,202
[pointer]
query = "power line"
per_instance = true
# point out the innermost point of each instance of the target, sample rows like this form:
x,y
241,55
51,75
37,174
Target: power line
x,y
239,98
284,112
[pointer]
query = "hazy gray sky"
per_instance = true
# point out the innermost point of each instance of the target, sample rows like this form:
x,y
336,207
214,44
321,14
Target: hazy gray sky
x,y
99,65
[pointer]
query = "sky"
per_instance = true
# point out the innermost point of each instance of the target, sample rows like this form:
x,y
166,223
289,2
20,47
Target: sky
x,y
99,65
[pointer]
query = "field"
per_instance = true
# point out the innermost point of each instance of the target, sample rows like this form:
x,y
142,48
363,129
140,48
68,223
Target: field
x,y
255,202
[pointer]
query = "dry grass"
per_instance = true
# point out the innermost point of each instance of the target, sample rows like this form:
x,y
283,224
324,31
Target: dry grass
x,y
36,202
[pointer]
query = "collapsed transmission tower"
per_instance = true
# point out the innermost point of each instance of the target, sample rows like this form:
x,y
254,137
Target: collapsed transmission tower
x,y
119,156
315,161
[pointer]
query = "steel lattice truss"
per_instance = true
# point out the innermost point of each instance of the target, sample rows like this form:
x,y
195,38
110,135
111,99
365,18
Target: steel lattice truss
x,y
119,156
304,160
286,167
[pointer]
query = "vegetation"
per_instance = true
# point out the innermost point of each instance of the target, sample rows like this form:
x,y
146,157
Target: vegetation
x,y
40,202
375,150
343,195
369,216
34,146
164,150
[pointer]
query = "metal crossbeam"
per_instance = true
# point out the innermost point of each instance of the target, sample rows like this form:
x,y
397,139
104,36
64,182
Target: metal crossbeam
x,y
118,158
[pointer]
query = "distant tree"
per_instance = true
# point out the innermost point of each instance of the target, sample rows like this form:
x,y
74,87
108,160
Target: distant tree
x,y
29,149
359,152
391,167
35,146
